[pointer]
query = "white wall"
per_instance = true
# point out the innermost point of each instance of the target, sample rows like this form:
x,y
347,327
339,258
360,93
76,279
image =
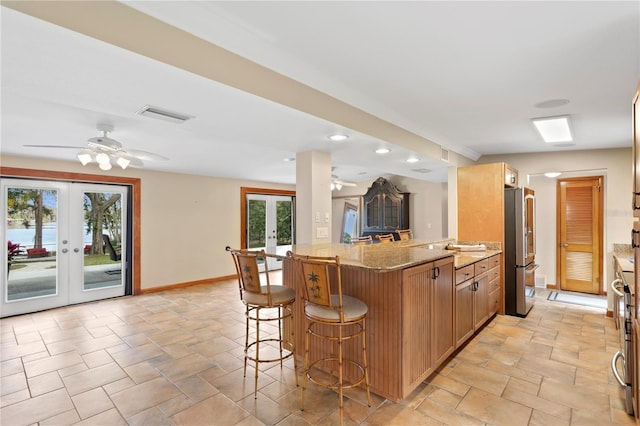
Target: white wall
x,y
186,220
614,164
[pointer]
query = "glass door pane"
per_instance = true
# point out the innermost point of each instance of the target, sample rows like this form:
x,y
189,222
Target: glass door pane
x,y
97,235
32,260
269,224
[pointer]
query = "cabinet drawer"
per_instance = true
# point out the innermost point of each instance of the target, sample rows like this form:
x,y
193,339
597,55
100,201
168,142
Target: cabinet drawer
x,y
494,299
481,267
464,274
494,261
494,274
494,284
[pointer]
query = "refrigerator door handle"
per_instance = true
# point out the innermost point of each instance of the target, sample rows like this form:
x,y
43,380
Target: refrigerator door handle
x,y
531,268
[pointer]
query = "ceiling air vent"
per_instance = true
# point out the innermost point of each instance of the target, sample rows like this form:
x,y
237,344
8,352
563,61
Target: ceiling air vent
x,y
163,114
421,170
444,155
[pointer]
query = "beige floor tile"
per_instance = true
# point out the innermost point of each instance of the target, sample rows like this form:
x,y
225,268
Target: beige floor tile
x,y
218,407
446,415
153,416
92,378
97,358
92,402
10,367
196,388
138,398
53,363
395,415
142,372
13,383
574,396
70,417
493,409
106,418
45,383
485,379
264,409
36,409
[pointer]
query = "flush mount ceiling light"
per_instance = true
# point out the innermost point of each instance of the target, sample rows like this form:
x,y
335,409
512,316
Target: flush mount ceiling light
x,y
553,129
412,160
383,151
552,174
338,137
163,114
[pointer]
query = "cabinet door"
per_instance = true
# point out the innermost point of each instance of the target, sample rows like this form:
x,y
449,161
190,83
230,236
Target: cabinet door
x,y
481,300
464,311
442,299
416,315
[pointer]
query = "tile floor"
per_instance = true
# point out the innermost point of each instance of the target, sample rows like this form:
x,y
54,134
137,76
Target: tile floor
x,y
175,357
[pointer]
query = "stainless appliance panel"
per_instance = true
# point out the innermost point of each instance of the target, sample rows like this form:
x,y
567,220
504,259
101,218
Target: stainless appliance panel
x,y
519,250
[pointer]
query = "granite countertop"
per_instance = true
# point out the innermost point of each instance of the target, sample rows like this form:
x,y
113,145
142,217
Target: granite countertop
x,y
378,257
462,259
623,256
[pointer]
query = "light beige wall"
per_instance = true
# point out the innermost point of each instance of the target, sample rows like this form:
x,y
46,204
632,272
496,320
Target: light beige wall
x,y
428,205
186,220
614,164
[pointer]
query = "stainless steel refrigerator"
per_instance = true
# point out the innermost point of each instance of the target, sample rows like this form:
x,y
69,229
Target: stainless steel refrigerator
x,y
519,251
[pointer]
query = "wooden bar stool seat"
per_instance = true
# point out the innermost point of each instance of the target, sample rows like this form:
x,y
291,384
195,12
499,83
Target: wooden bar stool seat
x,y
404,234
335,319
277,302
359,241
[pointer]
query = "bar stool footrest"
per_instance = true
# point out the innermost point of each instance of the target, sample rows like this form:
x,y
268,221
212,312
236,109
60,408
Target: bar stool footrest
x,y
335,386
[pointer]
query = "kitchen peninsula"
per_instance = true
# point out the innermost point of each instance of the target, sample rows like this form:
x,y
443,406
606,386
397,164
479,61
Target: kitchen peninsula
x,y
410,291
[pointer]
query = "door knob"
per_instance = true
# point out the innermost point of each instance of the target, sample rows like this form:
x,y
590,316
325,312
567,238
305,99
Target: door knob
x,y
565,245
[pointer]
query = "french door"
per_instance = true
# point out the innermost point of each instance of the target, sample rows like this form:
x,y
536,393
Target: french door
x,y
55,253
269,225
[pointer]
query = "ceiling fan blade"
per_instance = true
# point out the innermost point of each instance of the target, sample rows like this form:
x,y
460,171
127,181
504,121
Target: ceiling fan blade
x,y
53,146
344,183
144,155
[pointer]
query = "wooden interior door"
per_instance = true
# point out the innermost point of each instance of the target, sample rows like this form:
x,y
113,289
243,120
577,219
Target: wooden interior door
x,y
579,238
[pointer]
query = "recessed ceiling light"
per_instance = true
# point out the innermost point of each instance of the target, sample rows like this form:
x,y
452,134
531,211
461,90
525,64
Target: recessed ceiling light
x,y
412,160
551,103
338,137
553,129
383,151
288,160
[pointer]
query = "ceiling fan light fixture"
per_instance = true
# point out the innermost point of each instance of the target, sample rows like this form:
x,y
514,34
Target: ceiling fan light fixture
x,y
103,158
85,157
105,166
123,162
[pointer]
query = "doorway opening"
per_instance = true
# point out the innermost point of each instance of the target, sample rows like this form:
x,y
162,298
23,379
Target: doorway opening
x,y
267,222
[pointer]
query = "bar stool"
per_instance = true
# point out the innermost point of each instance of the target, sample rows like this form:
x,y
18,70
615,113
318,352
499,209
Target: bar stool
x,y
386,238
258,297
359,241
326,314
404,234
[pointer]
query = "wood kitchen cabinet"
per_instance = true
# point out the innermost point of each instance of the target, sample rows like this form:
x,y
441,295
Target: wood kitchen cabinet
x,y
429,314
476,293
481,209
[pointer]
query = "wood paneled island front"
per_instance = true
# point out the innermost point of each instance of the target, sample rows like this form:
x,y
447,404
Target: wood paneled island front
x,y
410,292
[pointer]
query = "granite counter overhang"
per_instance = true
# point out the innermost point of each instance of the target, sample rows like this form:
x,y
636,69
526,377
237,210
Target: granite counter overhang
x,y
377,257
388,257
463,259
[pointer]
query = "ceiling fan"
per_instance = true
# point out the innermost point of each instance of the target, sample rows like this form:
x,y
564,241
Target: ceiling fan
x,y
337,183
107,151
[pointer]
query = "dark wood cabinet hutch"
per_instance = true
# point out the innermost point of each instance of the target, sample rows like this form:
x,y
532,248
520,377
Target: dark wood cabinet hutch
x,y
385,209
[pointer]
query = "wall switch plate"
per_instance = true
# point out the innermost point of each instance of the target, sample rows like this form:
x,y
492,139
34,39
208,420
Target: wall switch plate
x,y
322,232
317,216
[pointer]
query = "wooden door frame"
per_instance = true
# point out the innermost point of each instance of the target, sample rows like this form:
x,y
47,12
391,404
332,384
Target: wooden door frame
x,y
244,191
134,183
601,289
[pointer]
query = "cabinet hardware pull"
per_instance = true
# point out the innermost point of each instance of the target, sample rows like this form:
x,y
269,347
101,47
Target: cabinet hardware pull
x,y
634,238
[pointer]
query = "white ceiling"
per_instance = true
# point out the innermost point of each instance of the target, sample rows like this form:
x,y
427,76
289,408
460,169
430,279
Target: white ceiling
x,y
464,75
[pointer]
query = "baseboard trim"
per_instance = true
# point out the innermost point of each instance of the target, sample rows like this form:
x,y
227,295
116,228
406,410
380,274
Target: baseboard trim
x,y
552,287
609,313
186,284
